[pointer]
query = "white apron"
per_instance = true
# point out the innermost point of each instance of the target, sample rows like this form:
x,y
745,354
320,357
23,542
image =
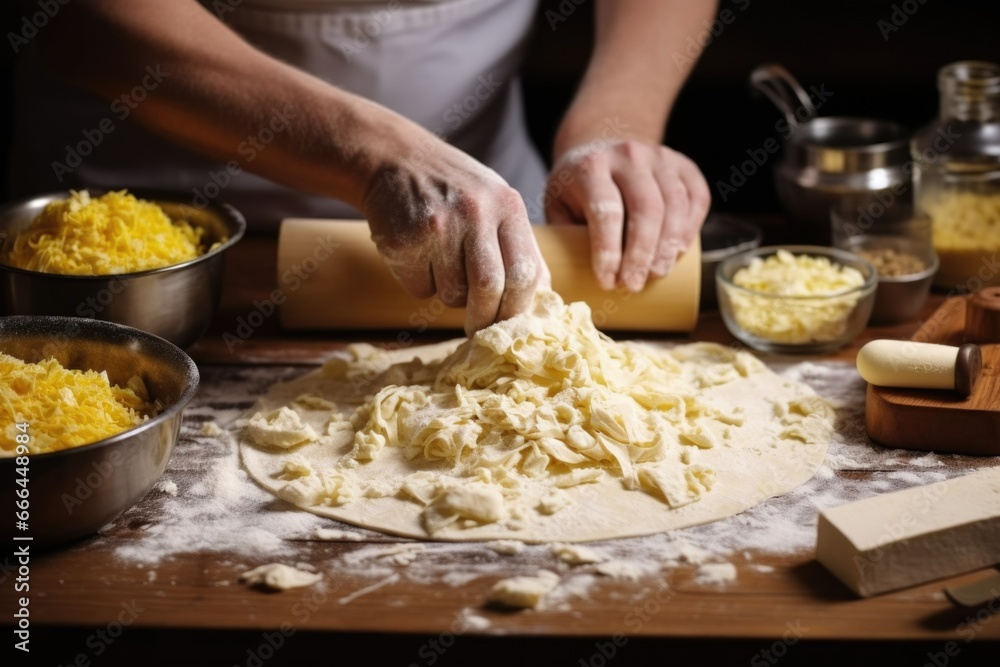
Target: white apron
x,y
451,66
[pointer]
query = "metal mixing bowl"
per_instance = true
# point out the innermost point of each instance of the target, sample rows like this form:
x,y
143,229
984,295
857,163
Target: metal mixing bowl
x,y
841,163
174,302
75,491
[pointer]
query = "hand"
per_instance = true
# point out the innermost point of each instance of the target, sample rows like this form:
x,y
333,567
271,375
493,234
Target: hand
x,y
448,226
656,195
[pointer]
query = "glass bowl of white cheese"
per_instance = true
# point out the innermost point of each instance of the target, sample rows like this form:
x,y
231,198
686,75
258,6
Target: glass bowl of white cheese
x,y
796,299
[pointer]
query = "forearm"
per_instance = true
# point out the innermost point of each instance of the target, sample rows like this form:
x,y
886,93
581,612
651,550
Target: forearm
x,y
633,79
219,90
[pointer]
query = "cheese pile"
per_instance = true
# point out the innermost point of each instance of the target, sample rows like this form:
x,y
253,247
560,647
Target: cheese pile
x,y
966,229
797,319
65,408
503,428
111,234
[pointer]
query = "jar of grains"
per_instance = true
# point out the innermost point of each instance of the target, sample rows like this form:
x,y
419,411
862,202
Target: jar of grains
x,y
957,176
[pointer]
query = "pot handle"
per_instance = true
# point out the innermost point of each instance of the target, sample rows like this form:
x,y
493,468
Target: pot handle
x,y
783,90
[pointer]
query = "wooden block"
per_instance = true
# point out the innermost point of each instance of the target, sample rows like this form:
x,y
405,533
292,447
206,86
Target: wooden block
x,y
982,318
914,536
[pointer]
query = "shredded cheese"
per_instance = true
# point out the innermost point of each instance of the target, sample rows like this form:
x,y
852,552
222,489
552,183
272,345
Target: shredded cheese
x,y
111,234
65,408
540,395
796,319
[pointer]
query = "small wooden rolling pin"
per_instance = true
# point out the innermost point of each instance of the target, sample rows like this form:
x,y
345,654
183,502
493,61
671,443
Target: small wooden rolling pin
x,y
332,277
904,363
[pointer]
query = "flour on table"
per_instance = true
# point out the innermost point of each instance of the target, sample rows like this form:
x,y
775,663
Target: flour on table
x,y
540,429
247,524
715,574
622,570
336,535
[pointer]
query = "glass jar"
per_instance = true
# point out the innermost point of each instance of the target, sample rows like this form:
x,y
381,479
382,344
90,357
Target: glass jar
x,y
957,176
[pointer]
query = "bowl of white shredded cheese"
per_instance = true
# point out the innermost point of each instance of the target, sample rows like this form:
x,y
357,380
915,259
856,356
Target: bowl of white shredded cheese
x,y
796,299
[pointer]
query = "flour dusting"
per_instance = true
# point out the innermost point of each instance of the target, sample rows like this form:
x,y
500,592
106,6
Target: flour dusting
x,y
217,509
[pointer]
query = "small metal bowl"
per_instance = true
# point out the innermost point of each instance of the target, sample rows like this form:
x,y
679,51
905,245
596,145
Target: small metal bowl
x,y
175,302
898,298
75,491
795,324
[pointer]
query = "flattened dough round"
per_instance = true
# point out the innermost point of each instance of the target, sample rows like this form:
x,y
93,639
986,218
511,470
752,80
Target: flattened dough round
x,y
758,460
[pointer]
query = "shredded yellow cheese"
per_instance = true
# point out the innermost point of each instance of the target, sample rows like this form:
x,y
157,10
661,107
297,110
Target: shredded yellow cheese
x,y
111,234
797,319
65,408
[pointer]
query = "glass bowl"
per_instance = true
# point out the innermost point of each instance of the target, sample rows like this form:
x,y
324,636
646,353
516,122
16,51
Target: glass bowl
x,y
772,322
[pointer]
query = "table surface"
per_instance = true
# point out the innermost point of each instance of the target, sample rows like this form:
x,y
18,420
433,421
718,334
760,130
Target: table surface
x,y
72,590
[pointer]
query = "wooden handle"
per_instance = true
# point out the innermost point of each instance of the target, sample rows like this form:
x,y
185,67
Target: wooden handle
x,y
332,277
982,316
905,363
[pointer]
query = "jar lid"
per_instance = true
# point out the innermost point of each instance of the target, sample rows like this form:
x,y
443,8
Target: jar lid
x,y
970,78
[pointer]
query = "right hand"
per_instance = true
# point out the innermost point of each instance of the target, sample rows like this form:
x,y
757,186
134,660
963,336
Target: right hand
x,y
448,226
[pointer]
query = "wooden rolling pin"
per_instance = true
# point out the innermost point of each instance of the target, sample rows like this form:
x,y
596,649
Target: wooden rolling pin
x,y
332,277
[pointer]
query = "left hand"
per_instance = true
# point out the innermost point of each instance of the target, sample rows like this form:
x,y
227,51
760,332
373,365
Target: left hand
x,y
643,203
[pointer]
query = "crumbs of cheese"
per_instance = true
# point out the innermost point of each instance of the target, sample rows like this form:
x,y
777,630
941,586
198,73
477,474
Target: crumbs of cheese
x,y
279,428
279,577
111,234
966,229
65,408
798,319
523,592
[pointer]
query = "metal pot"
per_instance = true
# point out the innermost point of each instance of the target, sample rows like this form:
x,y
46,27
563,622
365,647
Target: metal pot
x,y
853,166
174,302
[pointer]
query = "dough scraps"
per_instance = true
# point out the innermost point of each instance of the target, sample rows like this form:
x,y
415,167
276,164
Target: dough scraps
x,y
279,577
540,429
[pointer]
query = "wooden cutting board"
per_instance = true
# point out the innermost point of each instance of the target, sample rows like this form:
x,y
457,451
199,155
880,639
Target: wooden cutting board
x,y
941,421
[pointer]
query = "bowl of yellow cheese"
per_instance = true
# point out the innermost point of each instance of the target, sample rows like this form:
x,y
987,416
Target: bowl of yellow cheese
x,y
90,412
145,259
796,299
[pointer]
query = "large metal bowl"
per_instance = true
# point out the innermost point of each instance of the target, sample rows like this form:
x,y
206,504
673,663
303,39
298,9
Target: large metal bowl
x,y
174,302
75,491
842,164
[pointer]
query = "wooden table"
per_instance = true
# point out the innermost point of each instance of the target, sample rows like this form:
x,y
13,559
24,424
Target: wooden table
x,y
753,620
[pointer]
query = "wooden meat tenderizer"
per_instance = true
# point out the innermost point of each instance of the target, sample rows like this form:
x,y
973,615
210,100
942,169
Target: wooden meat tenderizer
x,y
909,364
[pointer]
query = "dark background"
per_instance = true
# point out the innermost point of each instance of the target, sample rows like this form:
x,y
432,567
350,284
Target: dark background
x,y
836,43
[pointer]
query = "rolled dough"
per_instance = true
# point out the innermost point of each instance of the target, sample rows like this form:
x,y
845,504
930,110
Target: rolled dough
x,y
538,429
